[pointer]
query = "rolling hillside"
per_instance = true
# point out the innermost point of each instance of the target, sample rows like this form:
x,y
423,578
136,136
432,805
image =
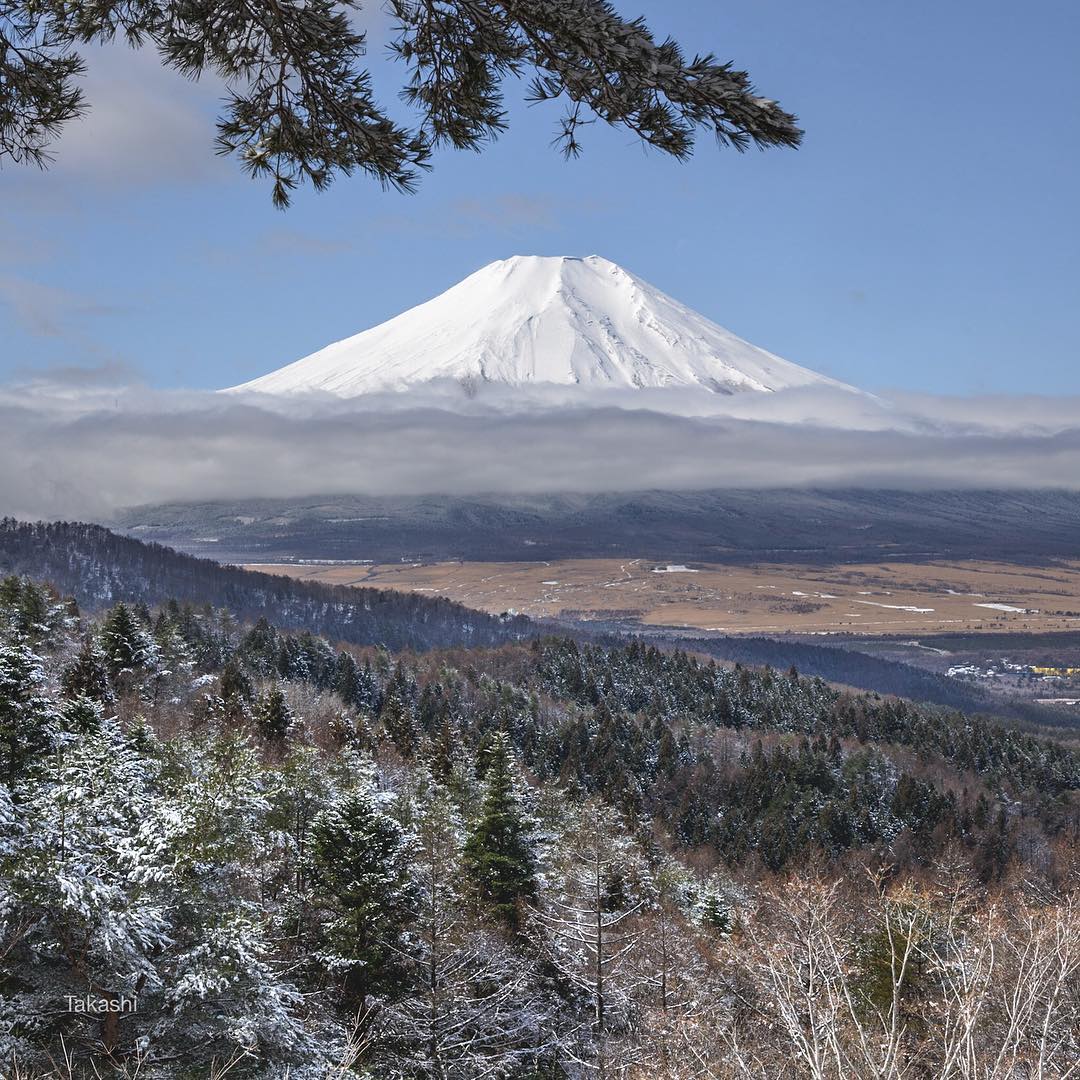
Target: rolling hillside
x,y
98,568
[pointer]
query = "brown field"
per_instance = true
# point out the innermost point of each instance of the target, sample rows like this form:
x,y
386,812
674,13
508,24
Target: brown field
x,y
884,598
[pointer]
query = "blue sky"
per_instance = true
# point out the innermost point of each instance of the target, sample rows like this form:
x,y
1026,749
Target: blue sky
x,y
925,237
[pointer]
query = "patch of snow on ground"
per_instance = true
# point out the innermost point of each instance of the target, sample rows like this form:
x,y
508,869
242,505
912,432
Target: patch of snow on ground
x,y
1008,607
898,607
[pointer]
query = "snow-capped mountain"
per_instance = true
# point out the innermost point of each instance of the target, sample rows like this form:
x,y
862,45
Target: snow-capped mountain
x,y
530,319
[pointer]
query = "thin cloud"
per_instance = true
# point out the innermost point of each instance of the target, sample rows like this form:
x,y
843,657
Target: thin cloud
x,y
19,248
281,244
58,379
47,310
507,213
145,126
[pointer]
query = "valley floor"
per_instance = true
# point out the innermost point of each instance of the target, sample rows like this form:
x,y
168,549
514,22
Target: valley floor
x,y
867,599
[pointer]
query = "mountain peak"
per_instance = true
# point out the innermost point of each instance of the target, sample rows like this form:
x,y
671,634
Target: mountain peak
x,y
531,319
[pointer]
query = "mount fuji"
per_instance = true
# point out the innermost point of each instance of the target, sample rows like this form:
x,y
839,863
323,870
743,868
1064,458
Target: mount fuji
x,y
533,320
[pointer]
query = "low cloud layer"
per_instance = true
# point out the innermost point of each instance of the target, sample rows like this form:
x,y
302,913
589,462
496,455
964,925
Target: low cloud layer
x,y
83,449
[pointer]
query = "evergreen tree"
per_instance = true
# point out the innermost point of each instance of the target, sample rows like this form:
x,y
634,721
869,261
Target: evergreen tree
x,y
224,991
82,716
128,647
714,911
88,674
368,691
176,658
27,718
499,855
892,972
301,786
471,1010
345,677
30,608
360,877
444,749
235,686
399,720
10,592
92,875
259,647
273,716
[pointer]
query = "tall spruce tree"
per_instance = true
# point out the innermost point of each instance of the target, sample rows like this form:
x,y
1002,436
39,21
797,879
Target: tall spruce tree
x,y
27,717
91,889
399,719
499,854
472,1009
88,674
345,677
360,878
127,645
273,715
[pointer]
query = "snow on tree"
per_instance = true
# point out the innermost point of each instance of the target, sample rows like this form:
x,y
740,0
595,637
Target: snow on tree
x,y
88,673
294,909
472,1009
89,883
590,932
361,883
499,857
273,717
130,650
27,717
297,789
226,991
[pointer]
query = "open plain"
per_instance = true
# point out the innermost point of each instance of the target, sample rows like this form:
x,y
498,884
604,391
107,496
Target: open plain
x,y
869,598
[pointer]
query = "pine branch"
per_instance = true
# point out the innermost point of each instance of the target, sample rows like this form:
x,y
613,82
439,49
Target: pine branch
x,y
301,108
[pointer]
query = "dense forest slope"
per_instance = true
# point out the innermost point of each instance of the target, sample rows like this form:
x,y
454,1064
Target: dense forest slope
x,y
98,567
535,860
839,663
782,525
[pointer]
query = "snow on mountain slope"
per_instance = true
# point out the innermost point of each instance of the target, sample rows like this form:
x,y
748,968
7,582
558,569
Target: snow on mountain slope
x,y
530,319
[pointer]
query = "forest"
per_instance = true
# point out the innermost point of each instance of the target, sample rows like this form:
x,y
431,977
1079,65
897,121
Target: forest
x,y
229,847
837,663
97,566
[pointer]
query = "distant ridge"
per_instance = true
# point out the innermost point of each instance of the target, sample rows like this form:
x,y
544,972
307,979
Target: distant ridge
x,y
98,568
785,524
530,320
